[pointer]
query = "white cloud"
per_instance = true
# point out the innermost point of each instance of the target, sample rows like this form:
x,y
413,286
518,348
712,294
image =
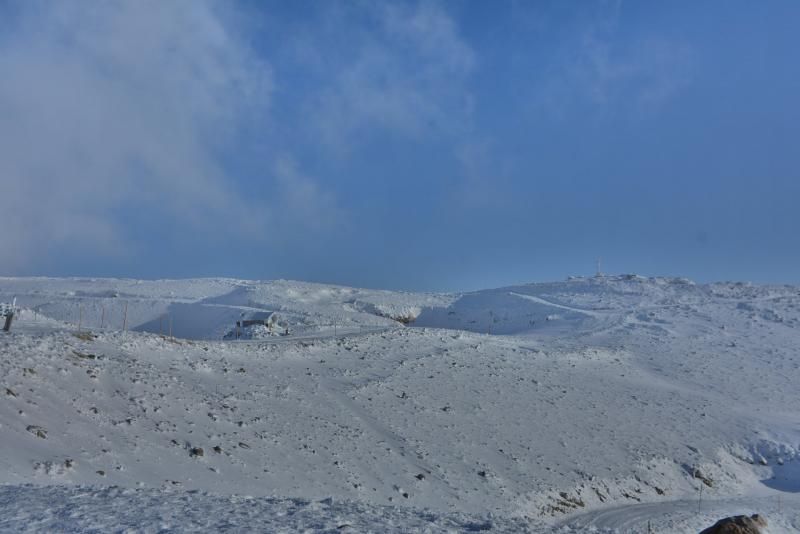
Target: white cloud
x,y
406,76
598,65
654,70
108,106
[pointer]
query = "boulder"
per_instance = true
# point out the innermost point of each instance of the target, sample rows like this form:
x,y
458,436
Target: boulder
x,y
37,431
739,524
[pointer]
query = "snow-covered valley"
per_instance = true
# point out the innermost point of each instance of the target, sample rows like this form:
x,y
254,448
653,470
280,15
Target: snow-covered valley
x,y
590,403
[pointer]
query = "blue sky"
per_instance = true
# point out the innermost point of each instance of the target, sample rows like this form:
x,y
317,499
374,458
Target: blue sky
x,y
415,145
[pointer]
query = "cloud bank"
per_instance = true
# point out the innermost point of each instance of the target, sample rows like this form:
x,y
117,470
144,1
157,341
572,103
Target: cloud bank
x,y
113,112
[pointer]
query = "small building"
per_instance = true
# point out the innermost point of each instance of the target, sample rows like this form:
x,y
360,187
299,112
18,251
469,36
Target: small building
x,y
268,325
270,322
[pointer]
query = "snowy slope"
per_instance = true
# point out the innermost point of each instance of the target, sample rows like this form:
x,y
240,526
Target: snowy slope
x,y
589,395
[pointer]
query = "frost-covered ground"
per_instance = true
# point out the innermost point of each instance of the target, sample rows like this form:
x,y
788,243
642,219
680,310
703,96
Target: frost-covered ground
x,y
591,403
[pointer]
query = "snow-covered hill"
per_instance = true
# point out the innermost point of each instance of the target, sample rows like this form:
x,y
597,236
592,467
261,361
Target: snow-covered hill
x,y
209,308
544,403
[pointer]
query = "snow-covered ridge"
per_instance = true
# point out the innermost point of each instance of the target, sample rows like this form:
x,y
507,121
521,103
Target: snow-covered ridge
x,y
209,308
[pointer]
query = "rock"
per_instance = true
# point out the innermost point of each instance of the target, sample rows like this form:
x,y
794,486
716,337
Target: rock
x,y
217,449
52,469
739,524
101,472
196,451
84,336
10,392
37,431
696,473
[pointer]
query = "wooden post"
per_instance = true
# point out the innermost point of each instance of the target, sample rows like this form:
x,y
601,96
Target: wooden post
x,y
161,326
103,317
9,318
80,317
170,325
125,318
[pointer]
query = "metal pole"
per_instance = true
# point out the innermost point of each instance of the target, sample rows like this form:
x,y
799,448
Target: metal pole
x,y
103,317
125,318
700,498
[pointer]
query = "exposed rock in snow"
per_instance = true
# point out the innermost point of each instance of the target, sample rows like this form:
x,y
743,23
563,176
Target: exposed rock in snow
x,y
740,524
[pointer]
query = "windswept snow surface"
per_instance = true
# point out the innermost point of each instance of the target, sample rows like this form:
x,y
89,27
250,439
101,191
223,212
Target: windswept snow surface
x,y
591,403
85,509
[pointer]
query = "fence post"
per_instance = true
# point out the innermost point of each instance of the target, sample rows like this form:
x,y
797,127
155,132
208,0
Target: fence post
x,y
125,318
700,498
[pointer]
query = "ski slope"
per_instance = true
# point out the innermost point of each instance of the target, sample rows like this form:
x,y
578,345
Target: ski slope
x,y
590,403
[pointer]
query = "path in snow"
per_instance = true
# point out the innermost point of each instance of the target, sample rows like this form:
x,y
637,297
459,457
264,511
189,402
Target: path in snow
x,y
781,510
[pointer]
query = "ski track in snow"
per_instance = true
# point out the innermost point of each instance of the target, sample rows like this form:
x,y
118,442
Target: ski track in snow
x,y
595,404
539,300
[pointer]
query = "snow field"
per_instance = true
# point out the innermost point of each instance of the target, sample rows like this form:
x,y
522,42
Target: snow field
x,y
594,403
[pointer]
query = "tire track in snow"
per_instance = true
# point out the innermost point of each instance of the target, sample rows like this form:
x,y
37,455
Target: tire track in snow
x,y
682,515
